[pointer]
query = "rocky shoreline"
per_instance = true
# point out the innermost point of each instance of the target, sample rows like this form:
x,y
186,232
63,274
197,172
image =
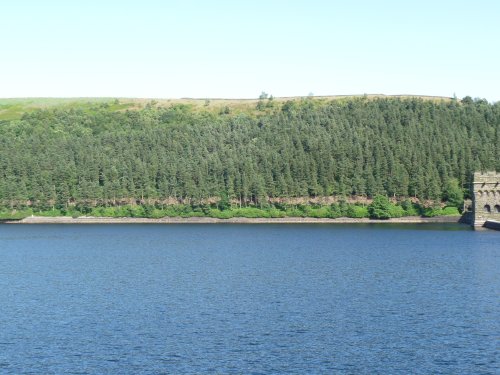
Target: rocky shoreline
x,y
238,220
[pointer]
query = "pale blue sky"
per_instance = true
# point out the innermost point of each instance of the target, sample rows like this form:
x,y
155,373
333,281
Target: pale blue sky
x,y
236,49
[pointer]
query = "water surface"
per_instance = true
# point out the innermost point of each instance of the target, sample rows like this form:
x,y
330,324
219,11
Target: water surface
x,y
148,299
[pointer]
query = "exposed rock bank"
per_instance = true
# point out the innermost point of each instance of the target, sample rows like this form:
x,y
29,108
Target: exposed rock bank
x,y
239,220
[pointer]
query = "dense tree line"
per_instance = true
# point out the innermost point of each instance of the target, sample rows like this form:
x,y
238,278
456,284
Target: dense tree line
x,y
394,147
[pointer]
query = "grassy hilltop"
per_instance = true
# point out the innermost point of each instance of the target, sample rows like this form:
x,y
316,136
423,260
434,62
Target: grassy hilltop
x,y
12,109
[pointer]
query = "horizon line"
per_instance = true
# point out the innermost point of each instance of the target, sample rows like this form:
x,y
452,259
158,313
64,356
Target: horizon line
x,y
233,98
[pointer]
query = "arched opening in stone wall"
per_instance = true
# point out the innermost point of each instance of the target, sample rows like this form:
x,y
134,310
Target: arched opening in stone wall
x,y
479,193
497,208
487,208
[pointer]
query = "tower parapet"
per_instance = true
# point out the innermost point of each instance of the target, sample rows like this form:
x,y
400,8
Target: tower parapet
x,y
486,197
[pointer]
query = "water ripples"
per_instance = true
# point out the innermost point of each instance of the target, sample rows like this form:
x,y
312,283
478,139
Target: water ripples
x,y
248,299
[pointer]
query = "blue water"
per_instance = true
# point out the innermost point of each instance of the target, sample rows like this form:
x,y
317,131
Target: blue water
x,y
151,299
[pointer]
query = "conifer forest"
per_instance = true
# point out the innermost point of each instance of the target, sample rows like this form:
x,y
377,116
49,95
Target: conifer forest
x,y
98,156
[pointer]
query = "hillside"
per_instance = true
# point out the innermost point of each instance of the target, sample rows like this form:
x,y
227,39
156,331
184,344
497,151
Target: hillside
x,y
13,109
63,153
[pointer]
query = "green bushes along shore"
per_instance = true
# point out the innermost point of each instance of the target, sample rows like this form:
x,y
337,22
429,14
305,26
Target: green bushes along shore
x,y
380,208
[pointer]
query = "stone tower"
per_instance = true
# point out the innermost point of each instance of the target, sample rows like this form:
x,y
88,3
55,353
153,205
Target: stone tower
x,y
486,193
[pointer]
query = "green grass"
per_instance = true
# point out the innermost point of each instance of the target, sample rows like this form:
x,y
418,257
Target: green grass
x,y
11,111
17,215
13,108
437,211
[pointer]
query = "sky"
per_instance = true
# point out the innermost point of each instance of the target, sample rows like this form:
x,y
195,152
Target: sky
x,y
238,49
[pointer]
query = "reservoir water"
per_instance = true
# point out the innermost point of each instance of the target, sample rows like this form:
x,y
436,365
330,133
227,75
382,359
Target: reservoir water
x,y
261,299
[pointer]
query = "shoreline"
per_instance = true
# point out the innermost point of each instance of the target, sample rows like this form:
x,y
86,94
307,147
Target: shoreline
x,y
236,220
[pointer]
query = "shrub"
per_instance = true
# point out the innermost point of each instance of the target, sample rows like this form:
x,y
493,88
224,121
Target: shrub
x,y
357,212
148,210
50,213
450,211
335,211
410,209
250,212
84,208
294,212
380,208
319,213
224,202
105,211
157,214
273,212
453,193
396,211
432,211
216,213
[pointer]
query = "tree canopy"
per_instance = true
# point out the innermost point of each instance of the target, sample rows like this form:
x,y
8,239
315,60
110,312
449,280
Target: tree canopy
x,y
302,148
